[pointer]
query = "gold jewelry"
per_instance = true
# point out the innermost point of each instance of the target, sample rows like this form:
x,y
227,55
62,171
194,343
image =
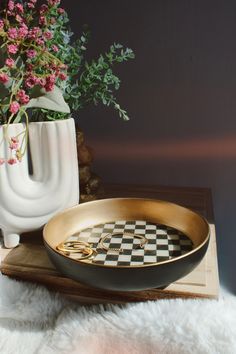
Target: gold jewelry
x,y
143,241
72,246
82,247
89,253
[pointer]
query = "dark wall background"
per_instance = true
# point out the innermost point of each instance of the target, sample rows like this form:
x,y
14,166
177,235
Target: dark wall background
x,y
180,94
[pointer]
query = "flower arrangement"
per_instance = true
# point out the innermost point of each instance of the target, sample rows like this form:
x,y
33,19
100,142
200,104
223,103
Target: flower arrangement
x,y
43,71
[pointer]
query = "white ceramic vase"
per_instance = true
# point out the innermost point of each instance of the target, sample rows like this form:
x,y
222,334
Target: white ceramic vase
x,y
28,201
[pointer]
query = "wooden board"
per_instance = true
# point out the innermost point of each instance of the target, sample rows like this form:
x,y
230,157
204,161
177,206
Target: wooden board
x,y
29,261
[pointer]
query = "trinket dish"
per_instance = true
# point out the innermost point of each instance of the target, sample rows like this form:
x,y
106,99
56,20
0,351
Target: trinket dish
x,y
126,244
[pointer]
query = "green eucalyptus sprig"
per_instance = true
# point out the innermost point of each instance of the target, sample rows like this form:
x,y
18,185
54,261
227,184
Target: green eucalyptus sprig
x,y
88,81
98,82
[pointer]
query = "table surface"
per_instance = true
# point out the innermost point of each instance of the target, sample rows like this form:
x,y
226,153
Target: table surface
x,y
29,261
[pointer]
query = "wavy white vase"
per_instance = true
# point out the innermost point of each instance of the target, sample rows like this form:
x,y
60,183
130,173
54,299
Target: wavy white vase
x,y
27,201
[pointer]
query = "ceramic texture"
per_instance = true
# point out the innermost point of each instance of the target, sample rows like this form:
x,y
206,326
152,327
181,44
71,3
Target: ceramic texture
x,y
114,275
28,201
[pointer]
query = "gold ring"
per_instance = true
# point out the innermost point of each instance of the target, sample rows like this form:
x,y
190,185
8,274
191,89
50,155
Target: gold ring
x,y
81,247
72,246
89,253
143,241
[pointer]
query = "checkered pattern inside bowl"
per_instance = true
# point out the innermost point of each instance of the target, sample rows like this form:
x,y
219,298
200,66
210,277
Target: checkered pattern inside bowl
x,y
164,243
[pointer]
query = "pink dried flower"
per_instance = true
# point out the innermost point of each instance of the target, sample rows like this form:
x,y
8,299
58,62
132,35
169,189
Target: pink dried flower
x,y
14,139
51,78
40,41
1,24
50,82
10,62
33,1
12,33
4,78
55,48
11,5
29,66
63,67
22,97
19,19
12,48
23,31
31,81
31,53
62,76
42,81
12,161
19,7
34,33
43,9
60,10
30,5
53,2
20,94
48,35
25,99
42,20
53,67
57,72
14,143
2,161
14,107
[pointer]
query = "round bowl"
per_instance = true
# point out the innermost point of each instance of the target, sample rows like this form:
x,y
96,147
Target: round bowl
x,y
127,277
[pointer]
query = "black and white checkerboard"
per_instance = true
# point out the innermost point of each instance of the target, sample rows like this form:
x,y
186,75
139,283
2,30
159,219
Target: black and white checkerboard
x,y
163,243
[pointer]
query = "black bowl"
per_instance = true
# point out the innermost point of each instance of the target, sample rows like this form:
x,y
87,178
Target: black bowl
x,y
125,277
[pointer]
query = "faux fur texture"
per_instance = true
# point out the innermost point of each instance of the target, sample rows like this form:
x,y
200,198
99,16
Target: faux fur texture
x,y
33,320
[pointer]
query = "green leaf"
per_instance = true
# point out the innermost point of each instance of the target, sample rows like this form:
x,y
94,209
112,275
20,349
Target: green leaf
x,y
18,117
52,100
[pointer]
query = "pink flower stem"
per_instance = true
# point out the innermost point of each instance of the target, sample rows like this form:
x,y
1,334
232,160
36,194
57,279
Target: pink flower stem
x,y
25,137
7,126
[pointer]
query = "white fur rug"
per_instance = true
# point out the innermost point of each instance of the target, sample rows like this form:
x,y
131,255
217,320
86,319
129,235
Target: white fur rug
x,y
33,320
